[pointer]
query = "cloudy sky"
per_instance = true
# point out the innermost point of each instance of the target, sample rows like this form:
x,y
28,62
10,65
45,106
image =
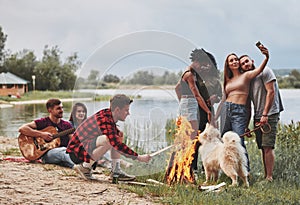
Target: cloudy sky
x,y
154,33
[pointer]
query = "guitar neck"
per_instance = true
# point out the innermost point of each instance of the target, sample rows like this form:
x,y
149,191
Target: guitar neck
x,y
62,133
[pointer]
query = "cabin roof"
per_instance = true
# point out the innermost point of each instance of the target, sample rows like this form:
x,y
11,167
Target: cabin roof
x,y
9,78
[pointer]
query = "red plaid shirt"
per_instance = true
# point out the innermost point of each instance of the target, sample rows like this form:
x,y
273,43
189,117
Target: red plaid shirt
x,y
83,141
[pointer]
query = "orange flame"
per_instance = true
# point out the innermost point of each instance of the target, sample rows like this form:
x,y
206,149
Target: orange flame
x,y
179,166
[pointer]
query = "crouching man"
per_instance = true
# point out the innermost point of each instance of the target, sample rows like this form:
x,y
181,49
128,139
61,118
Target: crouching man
x,y
98,134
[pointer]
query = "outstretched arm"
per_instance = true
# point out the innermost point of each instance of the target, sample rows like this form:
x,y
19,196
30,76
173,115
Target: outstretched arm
x,y
253,73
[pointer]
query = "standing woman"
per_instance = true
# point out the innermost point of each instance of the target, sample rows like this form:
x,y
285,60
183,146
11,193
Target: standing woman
x,y
235,97
78,114
190,97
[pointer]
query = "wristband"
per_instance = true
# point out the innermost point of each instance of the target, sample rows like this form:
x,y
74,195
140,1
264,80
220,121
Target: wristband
x,y
265,115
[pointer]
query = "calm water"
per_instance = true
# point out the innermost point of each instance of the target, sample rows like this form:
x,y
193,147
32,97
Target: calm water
x,y
147,118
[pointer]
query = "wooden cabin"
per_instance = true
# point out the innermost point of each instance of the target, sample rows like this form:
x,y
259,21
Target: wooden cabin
x,y
12,85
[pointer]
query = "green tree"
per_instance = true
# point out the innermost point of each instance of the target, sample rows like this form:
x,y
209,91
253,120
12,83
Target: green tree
x,y
52,74
21,64
170,78
67,72
47,71
142,78
3,38
93,77
296,74
109,78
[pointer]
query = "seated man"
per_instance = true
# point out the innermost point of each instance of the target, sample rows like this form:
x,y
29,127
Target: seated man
x,y
98,134
38,128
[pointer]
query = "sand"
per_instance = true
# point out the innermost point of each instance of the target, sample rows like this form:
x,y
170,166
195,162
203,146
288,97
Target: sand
x,y
36,183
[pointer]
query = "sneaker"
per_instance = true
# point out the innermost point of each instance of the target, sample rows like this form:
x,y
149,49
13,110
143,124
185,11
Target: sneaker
x,y
122,176
85,173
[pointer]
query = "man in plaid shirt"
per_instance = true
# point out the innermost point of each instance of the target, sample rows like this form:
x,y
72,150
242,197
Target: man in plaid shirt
x,y
98,134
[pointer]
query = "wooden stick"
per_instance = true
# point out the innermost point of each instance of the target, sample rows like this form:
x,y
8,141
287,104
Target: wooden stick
x,y
136,183
154,182
212,187
160,151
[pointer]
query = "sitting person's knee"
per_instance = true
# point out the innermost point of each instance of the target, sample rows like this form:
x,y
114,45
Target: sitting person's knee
x,y
102,140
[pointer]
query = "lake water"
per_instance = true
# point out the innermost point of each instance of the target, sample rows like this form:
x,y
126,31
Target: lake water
x,y
148,114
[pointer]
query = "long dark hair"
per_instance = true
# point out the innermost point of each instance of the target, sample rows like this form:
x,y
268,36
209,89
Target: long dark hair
x,y
72,118
227,71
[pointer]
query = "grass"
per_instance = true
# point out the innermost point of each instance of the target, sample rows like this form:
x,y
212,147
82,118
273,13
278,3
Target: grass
x,y
283,190
42,95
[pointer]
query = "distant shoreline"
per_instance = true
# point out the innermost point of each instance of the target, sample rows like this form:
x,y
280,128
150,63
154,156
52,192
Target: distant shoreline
x,y
44,101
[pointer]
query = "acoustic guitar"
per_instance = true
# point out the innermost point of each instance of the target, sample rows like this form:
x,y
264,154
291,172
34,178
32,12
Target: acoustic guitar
x,y
33,148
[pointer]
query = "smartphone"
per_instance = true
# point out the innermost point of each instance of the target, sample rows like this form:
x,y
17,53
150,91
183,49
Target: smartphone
x,y
258,44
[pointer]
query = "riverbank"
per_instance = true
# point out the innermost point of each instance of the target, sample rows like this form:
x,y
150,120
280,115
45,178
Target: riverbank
x,y
12,103
44,101
36,183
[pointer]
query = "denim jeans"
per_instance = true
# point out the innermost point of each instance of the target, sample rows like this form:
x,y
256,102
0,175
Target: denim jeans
x,y
58,156
234,118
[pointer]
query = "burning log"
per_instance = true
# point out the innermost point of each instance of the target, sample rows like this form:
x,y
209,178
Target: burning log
x,y
179,168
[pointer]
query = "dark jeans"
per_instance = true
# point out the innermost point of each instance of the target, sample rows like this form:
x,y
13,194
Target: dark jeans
x,y
234,118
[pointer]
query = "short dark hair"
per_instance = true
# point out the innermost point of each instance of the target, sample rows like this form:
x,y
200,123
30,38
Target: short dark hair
x,y
119,100
52,102
245,55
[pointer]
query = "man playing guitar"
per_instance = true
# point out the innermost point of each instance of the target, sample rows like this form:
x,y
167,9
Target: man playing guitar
x,y
38,139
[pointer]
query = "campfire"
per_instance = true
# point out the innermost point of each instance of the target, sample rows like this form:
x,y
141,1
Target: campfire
x,y
179,167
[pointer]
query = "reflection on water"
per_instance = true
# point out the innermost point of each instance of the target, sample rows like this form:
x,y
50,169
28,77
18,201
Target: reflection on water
x,y
144,127
147,115
13,117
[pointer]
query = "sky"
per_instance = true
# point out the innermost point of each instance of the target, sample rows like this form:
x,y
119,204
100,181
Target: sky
x,y
120,37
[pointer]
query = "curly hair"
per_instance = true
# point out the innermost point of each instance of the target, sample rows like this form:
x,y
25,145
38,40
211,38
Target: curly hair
x,y
201,55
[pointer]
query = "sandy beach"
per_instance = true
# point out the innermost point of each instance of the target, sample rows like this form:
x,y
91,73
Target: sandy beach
x,y
36,183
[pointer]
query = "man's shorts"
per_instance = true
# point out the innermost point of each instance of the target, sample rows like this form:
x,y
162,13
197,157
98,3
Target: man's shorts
x,y
267,139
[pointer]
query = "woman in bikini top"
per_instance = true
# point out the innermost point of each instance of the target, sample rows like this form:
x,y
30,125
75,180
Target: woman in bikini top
x,y
237,83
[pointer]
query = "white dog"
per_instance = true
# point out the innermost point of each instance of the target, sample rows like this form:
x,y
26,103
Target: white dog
x,y
228,156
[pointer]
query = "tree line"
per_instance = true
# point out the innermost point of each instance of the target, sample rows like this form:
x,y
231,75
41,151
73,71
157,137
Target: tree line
x,y
53,73
138,78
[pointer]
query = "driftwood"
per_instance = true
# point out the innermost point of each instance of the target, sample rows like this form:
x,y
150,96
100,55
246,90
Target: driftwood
x,y
154,182
136,183
211,187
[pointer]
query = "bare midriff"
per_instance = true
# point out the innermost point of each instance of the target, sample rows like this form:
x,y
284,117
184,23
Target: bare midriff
x,y
237,98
